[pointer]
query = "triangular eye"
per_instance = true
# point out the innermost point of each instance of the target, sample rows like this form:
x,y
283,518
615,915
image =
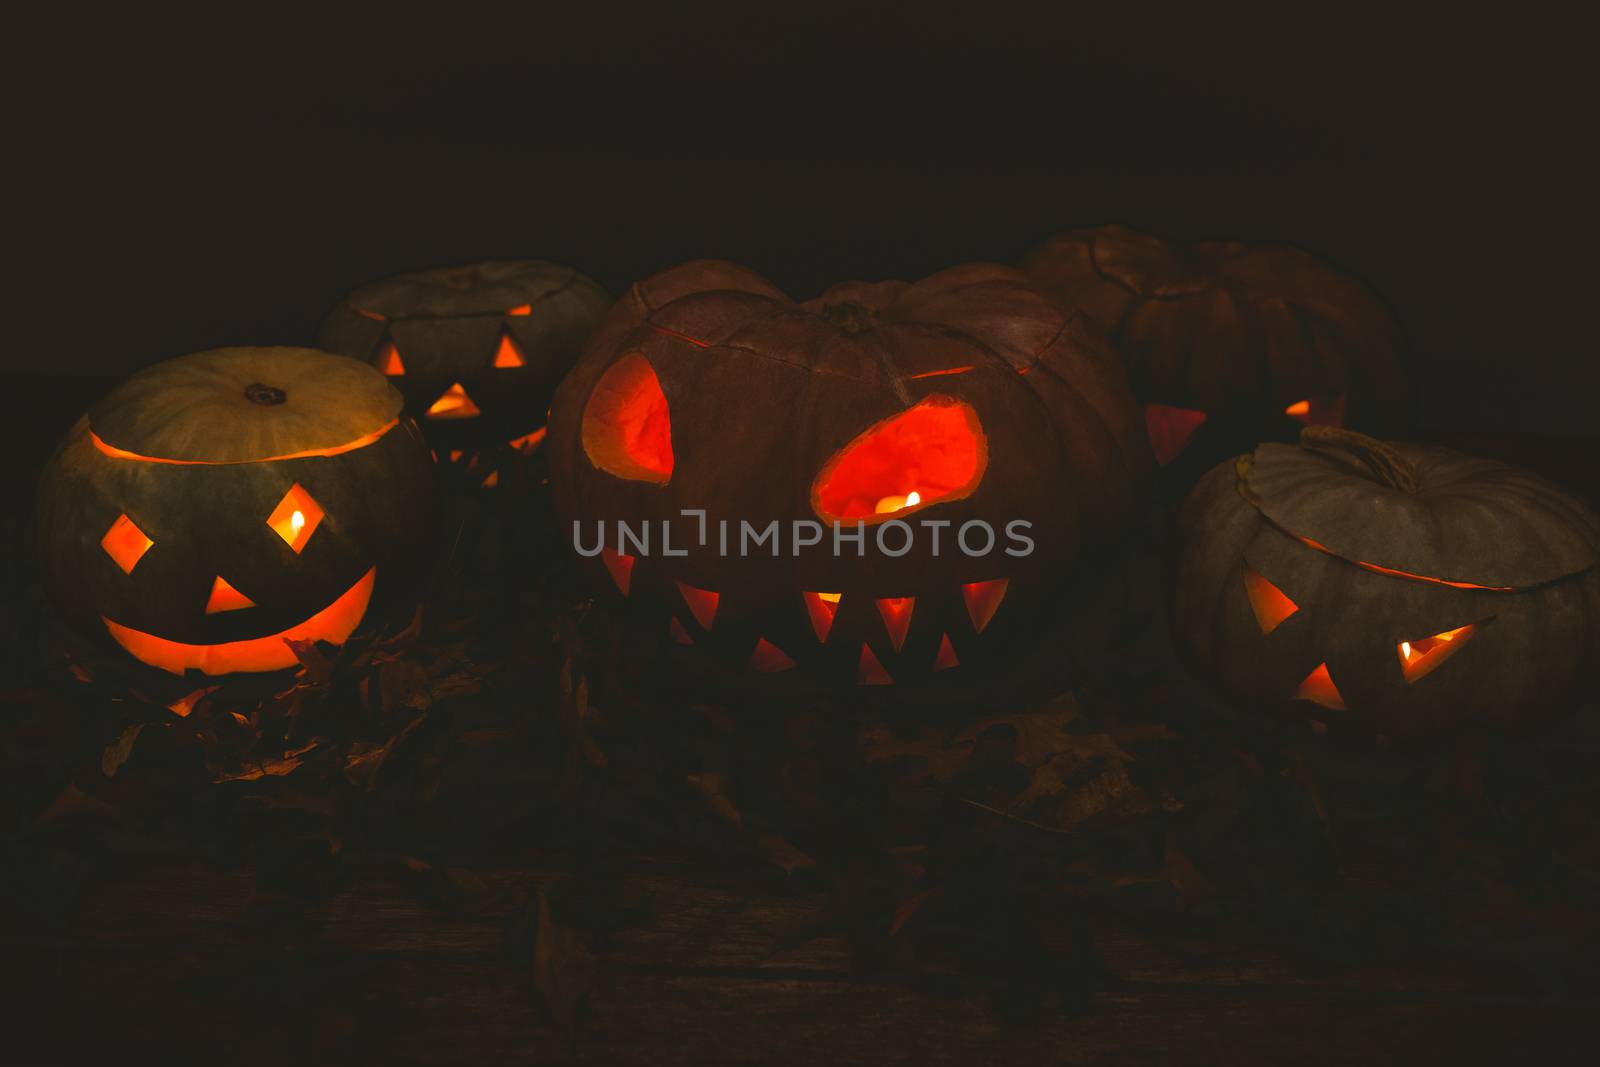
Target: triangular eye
x,y
1424,655
928,453
1318,688
520,309
454,403
508,355
388,360
627,428
1169,429
1270,604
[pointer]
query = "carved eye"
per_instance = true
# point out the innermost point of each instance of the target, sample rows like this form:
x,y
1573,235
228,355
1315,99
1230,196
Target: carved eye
x,y
508,354
627,428
932,452
125,543
1318,688
1425,655
1169,429
1270,604
296,517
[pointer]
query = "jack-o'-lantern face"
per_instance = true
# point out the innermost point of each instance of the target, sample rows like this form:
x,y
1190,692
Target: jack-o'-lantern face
x,y
1405,589
754,411
203,523
476,350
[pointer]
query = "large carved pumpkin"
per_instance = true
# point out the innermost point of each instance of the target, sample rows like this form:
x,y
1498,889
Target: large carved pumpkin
x,y
477,350
1253,338
216,504
965,398
1404,588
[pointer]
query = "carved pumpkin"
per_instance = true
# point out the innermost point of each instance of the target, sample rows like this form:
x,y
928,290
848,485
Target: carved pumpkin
x,y
1256,338
964,398
216,504
476,350
1405,588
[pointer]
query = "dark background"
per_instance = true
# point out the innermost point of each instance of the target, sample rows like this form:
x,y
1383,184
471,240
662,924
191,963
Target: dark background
x,y
186,184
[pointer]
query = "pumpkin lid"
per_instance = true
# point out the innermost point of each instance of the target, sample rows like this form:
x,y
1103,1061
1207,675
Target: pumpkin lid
x,y
496,287
243,405
1426,512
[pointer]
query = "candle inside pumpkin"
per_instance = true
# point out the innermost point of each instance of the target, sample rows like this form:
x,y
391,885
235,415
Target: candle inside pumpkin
x,y
895,503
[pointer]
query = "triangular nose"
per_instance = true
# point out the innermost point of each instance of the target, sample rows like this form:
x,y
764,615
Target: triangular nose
x,y
225,597
454,403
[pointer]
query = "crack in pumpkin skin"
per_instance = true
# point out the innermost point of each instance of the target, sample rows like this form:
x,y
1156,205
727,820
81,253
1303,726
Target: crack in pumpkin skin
x,y
333,624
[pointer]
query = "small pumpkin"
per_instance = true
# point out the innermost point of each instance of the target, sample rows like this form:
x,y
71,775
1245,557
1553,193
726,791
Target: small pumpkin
x,y
1398,587
964,398
476,350
1256,337
214,506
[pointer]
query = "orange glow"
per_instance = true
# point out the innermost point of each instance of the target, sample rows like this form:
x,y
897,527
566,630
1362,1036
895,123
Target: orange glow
x,y
896,612
1169,429
620,566
1318,688
454,403
389,361
508,355
940,373
947,655
528,442
983,600
520,309
296,517
369,314
125,543
1318,411
492,480
821,607
627,428
336,450
185,705
1422,657
225,597
679,635
937,445
456,454
1391,572
702,604
1270,604
333,624
769,658
897,503
869,671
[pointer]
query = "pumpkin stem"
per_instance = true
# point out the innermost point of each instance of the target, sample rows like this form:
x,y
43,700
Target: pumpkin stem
x,y
850,316
1384,462
265,395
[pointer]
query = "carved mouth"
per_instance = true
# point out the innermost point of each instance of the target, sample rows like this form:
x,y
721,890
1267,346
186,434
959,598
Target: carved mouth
x,y
333,624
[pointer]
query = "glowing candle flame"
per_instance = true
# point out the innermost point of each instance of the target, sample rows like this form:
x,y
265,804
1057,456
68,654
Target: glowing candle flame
x,y
1405,649
895,503
297,520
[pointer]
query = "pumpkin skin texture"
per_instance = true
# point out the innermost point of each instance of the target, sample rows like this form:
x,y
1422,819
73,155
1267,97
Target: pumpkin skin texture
x,y
1379,548
501,334
772,407
209,457
1254,339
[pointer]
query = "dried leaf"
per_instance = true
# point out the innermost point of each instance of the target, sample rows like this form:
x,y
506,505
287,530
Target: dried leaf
x,y
117,753
187,703
714,789
73,802
909,907
782,854
563,968
317,667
